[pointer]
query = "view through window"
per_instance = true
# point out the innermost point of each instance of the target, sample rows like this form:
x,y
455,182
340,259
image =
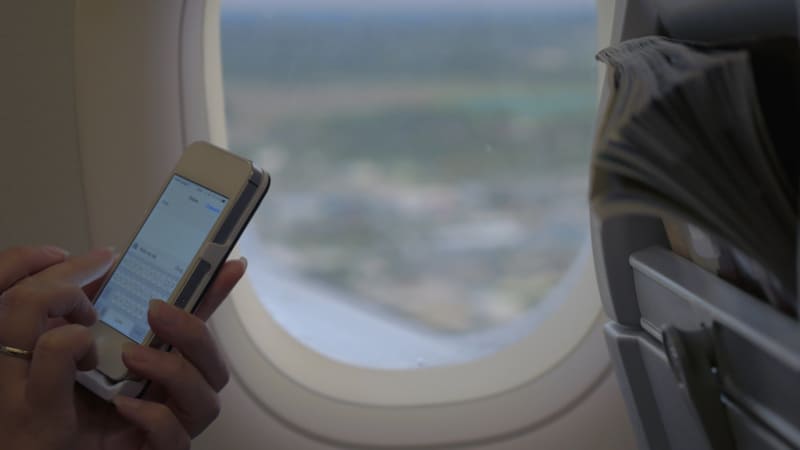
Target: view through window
x,y
429,159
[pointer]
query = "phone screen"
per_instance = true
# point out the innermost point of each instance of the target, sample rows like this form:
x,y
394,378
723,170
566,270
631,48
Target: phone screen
x,y
159,255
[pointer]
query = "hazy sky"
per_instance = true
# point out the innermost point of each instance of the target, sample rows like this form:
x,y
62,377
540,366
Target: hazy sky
x,y
406,4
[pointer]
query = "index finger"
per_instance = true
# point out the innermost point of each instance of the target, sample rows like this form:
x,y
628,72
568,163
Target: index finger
x,y
19,262
94,286
81,270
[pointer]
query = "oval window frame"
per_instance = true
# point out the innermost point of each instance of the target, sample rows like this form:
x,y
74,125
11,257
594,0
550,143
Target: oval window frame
x,y
325,399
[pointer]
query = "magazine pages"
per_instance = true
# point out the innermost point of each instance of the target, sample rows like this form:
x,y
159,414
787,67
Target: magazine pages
x,y
684,138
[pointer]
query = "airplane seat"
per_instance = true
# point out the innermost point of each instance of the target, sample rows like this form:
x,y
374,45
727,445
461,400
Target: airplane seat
x,y
702,364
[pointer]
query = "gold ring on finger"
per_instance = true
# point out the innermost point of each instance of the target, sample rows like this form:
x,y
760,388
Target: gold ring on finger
x,y
16,352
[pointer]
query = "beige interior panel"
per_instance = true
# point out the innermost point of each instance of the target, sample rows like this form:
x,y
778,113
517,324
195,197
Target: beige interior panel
x,y
129,119
41,190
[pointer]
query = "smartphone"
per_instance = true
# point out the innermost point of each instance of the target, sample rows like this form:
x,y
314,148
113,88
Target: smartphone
x,y
183,240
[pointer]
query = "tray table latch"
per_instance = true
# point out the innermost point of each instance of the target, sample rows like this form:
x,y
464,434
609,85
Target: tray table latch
x,y
691,358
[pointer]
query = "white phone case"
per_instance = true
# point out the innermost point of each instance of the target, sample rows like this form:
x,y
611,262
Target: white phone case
x,y
105,389
212,254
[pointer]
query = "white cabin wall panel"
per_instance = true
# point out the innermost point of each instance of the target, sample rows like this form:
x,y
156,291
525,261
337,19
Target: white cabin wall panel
x,y
129,108
598,423
243,424
41,190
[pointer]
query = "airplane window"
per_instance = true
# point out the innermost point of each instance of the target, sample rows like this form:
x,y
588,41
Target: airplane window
x,y
430,167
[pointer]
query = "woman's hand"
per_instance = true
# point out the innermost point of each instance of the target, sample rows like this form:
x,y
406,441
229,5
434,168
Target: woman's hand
x,y
36,396
182,400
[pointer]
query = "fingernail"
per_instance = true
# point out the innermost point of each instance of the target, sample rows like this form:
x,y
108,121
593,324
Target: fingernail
x,y
113,250
244,262
124,402
101,252
135,353
88,309
162,313
57,251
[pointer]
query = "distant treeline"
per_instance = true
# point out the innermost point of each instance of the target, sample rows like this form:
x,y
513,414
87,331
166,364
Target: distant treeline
x,y
291,48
